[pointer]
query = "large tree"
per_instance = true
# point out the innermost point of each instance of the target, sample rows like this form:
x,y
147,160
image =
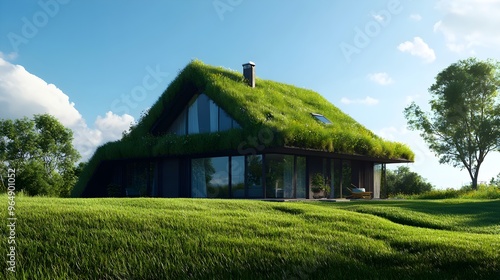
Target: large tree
x,y
464,125
41,152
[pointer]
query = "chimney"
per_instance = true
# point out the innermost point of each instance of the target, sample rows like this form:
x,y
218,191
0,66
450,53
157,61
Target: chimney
x,y
249,73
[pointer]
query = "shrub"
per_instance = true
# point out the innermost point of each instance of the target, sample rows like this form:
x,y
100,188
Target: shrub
x,y
483,192
404,181
440,194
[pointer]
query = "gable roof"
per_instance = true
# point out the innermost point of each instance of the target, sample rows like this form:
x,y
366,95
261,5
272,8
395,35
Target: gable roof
x,y
282,112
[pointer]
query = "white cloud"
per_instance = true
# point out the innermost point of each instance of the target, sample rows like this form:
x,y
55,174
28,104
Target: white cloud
x,y
415,17
381,78
24,94
10,56
469,24
365,101
112,125
419,48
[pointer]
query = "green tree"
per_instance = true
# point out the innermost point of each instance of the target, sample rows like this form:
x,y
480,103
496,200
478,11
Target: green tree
x,y
465,122
404,181
495,182
41,152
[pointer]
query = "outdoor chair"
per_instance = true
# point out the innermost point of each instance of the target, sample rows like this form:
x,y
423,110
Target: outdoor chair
x,y
357,193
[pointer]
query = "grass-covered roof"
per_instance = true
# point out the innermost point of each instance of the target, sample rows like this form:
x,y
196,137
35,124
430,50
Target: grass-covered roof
x,y
284,110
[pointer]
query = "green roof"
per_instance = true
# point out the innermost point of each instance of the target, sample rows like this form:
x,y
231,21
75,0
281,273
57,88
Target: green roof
x,y
281,110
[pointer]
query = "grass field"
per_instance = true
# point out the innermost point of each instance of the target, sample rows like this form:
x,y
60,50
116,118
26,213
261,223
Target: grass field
x,y
240,239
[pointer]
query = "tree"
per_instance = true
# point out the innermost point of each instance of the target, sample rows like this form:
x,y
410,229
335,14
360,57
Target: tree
x,y
495,182
465,122
404,181
41,152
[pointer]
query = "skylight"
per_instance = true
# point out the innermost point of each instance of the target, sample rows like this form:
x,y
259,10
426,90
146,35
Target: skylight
x,y
321,118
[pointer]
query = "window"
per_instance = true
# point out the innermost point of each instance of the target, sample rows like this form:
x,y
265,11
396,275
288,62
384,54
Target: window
x,y
242,176
346,178
209,177
138,178
225,121
179,126
254,176
285,176
300,169
279,176
321,118
202,116
238,176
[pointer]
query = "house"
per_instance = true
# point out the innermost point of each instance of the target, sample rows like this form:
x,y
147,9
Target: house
x,y
219,134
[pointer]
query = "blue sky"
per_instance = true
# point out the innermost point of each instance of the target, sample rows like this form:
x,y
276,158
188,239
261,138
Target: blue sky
x,y
96,65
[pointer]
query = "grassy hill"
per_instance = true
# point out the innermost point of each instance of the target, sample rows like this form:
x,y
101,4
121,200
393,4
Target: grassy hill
x,y
241,239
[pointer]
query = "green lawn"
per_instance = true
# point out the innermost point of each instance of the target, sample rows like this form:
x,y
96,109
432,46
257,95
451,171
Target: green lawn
x,y
240,239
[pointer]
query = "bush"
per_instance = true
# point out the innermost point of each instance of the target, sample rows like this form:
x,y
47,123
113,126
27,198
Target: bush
x,y
403,181
483,192
441,194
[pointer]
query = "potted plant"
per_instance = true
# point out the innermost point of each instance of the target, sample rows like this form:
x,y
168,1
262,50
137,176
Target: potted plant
x,y
320,188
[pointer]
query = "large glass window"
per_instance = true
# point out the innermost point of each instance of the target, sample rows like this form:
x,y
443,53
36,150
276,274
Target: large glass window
x,y
169,178
346,178
139,176
198,178
218,183
193,126
202,116
254,176
214,116
202,122
179,126
288,174
279,176
377,180
225,121
209,177
336,173
238,176
301,177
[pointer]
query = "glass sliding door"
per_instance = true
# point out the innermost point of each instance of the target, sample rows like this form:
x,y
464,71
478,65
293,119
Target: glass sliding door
x,y
209,177
254,177
198,178
238,176
218,177
274,176
288,174
169,178
279,176
138,178
377,180
300,185
336,174
346,178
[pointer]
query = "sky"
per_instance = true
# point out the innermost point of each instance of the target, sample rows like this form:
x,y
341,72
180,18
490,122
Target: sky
x,y
98,65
